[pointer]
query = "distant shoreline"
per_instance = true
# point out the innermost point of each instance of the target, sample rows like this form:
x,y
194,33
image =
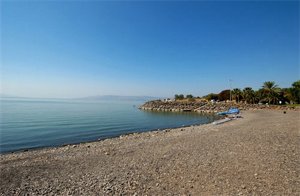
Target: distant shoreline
x,y
34,124
161,106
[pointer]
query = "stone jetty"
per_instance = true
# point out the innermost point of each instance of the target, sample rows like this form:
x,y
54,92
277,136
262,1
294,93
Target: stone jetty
x,y
206,106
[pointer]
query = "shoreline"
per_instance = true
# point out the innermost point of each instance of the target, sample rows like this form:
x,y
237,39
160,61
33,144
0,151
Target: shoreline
x,y
99,139
220,105
257,154
205,107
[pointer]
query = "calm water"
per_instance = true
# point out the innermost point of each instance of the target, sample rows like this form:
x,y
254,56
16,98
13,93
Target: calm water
x,y
41,123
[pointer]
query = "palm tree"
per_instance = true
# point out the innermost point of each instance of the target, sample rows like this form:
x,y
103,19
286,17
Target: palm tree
x,y
259,95
295,90
236,94
270,91
296,84
249,95
286,94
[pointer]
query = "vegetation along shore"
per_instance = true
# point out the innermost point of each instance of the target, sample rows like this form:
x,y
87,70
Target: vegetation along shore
x,y
270,96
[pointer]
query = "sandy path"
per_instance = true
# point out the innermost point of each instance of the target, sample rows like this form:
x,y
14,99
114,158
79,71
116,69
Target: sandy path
x,y
258,155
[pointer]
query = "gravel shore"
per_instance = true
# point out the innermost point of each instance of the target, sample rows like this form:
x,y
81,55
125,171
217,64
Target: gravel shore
x,y
255,155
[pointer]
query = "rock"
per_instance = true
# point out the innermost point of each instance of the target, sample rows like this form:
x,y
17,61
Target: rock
x,y
206,107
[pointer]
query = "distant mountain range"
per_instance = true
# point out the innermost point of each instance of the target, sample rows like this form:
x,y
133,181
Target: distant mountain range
x,y
7,96
94,98
120,98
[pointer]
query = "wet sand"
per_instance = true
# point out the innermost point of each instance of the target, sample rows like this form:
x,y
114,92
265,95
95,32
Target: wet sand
x,y
258,154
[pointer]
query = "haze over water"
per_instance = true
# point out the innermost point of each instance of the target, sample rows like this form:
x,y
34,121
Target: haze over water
x,y
33,123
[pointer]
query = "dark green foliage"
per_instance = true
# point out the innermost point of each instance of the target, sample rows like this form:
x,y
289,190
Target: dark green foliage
x,y
179,97
189,96
211,96
271,92
224,95
249,95
285,95
295,92
236,94
296,84
259,96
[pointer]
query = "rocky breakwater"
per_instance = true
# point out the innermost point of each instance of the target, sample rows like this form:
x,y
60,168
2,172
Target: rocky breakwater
x,y
180,106
205,107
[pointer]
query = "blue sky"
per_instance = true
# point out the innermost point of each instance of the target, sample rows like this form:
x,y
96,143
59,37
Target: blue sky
x,y
157,48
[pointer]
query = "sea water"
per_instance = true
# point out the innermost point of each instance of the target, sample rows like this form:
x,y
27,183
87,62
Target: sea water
x,y
34,123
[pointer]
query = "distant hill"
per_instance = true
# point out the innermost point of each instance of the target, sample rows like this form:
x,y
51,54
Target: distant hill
x,y
7,96
120,98
95,98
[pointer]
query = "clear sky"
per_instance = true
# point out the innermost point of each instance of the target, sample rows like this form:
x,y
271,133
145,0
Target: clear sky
x,y
157,48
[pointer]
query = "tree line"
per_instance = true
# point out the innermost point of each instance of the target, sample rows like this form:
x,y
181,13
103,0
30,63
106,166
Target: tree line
x,y
269,93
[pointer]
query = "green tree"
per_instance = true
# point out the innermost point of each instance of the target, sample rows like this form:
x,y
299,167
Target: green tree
x,y
271,92
285,95
236,94
249,95
211,96
259,95
224,95
189,96
179,97
296,84
295,92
